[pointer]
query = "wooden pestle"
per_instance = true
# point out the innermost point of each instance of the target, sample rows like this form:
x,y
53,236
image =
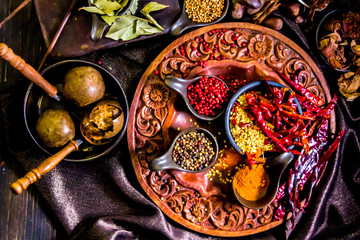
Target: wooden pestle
x,y
35,174
18,63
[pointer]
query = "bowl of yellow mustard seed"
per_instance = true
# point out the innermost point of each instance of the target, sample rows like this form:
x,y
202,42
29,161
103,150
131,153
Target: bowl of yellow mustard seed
x,y
199,13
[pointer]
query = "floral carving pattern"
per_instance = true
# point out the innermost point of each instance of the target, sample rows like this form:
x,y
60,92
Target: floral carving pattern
x,y
156,95
239,45
260,46
197,209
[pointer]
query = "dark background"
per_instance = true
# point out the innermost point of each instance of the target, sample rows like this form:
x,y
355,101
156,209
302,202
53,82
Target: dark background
x,y
333,214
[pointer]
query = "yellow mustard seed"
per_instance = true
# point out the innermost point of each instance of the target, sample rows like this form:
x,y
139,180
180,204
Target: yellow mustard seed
x,y
204,11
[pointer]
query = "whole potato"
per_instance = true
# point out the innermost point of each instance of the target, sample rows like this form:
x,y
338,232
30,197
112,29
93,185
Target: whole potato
x,y
83,86
55,127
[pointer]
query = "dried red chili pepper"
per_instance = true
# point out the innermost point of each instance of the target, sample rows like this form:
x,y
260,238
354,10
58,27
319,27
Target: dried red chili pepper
x,y
251,100
295,115
326,112
266,103
304,166
267,114
302,90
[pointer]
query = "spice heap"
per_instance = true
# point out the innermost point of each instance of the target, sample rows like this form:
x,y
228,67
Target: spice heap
x,y
208,95
341,48
204,11
193,151
251,182
249,137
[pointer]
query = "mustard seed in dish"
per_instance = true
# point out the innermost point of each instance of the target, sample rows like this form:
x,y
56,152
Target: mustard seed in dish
x,y
204,11
247,135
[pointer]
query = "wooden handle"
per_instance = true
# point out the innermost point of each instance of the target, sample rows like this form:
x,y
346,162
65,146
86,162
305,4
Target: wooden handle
x,y
21,184
18,63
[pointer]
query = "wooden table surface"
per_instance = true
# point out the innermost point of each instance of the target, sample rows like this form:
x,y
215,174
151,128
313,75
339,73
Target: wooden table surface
x,y
28,215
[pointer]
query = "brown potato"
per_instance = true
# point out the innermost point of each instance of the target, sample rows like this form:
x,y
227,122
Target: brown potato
x,y
83,86
55,127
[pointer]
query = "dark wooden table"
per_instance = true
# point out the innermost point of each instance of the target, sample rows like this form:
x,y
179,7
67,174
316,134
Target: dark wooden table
x,y
28,215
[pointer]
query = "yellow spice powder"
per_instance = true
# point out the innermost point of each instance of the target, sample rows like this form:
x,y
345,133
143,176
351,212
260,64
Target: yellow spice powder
x,y
251,182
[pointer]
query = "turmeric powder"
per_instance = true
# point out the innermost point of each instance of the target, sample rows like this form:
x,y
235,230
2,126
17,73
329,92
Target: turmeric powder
x,y
251,182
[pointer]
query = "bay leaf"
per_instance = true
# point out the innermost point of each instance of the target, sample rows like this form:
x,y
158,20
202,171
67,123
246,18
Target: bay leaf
x,y
92,9
133,7
109,19
108,6
153,6
143,28
128,27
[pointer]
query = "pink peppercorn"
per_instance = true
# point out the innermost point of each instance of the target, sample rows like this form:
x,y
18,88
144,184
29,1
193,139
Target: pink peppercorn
x,y
208,95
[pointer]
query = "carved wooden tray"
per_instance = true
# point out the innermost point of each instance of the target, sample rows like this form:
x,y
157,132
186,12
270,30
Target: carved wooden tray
x,y
157,114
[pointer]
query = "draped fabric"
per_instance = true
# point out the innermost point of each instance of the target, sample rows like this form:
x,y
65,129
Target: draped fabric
x,y
102,199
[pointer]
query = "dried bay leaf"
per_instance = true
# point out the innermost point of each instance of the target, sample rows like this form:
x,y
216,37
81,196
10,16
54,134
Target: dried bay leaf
x,y
92,9
108,6
109,19
133,7
128,27
153,6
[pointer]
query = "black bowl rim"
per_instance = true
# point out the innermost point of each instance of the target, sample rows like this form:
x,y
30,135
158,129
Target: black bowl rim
x,y
242,90
122,132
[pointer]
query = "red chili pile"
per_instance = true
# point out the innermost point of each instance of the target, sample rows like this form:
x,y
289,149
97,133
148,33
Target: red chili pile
x,y
208,95
308,132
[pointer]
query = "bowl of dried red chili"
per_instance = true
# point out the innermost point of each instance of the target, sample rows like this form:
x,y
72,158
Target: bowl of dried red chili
x,y
260,117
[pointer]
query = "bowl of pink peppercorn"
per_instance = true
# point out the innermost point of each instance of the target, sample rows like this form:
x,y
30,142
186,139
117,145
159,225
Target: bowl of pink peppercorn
x,y
205,96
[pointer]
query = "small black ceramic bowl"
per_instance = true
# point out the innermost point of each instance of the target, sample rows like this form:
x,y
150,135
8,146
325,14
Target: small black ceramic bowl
x,y
253,86
37,101
166,162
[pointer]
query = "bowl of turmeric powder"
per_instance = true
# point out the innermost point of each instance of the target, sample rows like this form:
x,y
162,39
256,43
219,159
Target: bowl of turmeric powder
x,y
255,185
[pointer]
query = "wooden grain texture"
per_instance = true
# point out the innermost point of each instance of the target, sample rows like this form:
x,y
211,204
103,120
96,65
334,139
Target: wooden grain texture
x,y
27,216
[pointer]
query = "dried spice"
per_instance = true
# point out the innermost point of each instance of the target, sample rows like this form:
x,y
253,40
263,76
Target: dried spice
x,y
193,151
351,26
251,182
247,135
204,11
309,164
349,85
316,5
208,95
335,45
126,27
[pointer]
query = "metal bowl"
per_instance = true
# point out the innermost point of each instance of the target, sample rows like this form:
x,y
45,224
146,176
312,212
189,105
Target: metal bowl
x,y
36,101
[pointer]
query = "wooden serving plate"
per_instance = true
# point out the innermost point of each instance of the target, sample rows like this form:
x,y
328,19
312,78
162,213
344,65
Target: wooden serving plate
x,y
157,114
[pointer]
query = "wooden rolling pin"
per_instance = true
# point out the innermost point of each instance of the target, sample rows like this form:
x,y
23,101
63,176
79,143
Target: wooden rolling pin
x,y
28,71
23,183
